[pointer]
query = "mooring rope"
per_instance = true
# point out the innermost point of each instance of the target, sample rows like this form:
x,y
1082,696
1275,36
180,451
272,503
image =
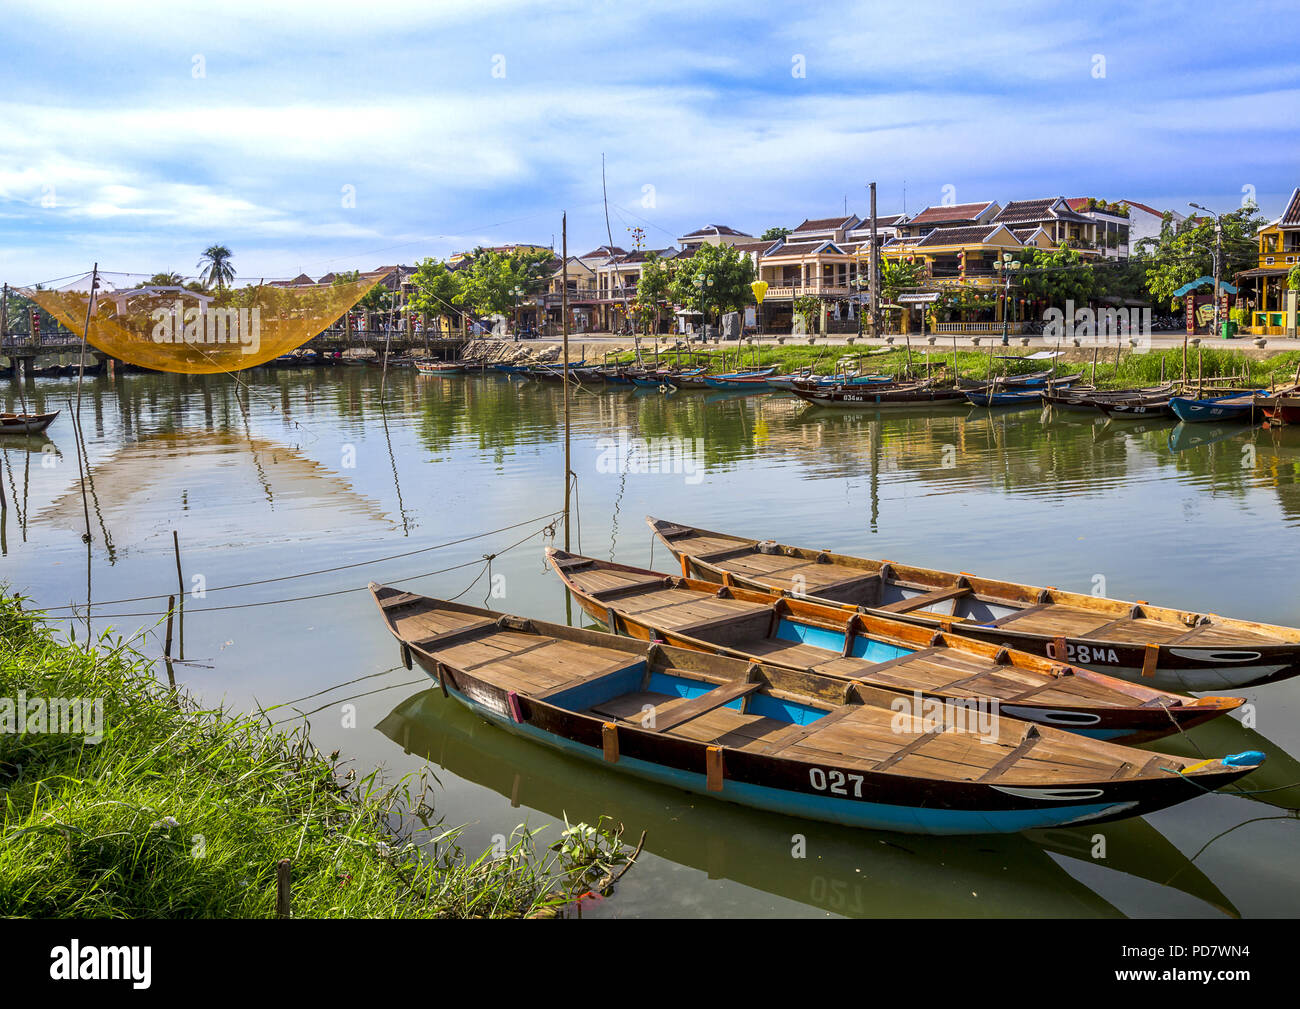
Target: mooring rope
x,y
322,571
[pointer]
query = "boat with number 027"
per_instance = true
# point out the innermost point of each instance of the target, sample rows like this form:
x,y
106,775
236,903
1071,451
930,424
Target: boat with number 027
x,y
938,667
1166,647
779,739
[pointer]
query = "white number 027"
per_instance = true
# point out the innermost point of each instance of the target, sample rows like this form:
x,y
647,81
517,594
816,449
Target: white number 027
x,y
835,782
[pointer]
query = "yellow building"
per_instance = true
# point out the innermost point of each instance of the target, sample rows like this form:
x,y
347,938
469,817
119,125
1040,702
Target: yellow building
x,y
1273,305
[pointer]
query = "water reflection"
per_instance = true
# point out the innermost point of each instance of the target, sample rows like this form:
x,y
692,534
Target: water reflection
x,y
850,872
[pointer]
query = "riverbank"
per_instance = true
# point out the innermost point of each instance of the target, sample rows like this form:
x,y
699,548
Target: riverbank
x,y
1131,370
125,800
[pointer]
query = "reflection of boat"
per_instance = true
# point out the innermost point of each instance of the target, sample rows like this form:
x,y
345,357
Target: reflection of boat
x,y
1277,783
1013,875
1160,645
1186,436
1237,406
26,423
759,735
877,651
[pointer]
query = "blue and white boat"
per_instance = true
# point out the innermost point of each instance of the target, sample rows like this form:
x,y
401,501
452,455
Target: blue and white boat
x,y
1238,406
779,739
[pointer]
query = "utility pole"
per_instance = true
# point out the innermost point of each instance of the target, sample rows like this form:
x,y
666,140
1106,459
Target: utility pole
x,y
875,270
564,330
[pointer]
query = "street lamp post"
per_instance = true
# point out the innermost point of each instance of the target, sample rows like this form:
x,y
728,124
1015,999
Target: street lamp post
x,y
517,291
702,284
1007,266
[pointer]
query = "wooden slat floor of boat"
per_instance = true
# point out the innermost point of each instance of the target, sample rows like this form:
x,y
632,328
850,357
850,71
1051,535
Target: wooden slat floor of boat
x,y
523,662
724,726
1209,634
1057,618
599,579
1141,631
676,608
427,622
701,544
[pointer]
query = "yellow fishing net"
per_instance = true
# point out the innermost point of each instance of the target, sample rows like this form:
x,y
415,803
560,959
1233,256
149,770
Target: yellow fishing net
x,y
176,328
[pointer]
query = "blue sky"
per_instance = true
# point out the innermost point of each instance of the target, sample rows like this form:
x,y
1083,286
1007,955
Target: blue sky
x,y
136,134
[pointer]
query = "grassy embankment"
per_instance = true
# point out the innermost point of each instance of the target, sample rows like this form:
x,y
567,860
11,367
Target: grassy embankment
x,y
181,812
1134,369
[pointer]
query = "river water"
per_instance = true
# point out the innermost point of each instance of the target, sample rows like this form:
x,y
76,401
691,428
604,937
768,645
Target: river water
x,y
285,472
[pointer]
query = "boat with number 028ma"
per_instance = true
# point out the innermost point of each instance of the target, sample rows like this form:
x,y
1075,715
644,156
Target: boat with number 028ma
x,y
764,626
780,739
1169,648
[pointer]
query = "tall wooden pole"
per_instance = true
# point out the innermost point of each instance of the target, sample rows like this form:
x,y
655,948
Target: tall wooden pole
x,y
875,271
564,330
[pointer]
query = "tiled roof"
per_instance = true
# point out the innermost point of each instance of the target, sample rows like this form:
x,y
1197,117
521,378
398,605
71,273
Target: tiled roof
x,y
604,252
827,224
882,221
716,229
1291,216
640,255
804,248
955,212
973,235
1024,211
759,246
1143,207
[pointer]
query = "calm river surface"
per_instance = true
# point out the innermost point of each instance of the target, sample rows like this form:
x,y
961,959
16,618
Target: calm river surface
x,y
289,471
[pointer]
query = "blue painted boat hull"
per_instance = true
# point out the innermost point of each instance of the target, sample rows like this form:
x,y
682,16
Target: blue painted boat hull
x,y
847,812
1201,411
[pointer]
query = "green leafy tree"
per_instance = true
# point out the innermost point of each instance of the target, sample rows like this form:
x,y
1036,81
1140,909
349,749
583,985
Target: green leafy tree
x,y
772,234
436,290
166,279
653,291
1184,250
724,275
216,266
492,277
1293,278
1055,276
899,275
807,307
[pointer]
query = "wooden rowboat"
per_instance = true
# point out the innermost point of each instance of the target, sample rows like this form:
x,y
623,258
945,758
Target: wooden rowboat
x,y
1238,406
1165,647
889,654
892,397
26,423
754,379
779,739
440,367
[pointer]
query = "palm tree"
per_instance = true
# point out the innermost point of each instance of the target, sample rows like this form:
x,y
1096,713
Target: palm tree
x,y
216,266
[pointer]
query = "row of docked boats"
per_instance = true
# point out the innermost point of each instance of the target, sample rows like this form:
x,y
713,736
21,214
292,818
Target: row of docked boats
x,y
857,691
867,390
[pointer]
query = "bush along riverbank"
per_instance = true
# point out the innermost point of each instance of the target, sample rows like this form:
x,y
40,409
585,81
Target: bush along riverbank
x,y
122,799
1134,369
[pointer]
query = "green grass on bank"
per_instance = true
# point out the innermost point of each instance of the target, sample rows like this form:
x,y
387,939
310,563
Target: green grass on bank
x,y
1134,369
179,812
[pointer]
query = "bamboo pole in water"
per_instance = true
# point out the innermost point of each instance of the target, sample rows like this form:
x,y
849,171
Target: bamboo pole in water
x,y
564,329
180,588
